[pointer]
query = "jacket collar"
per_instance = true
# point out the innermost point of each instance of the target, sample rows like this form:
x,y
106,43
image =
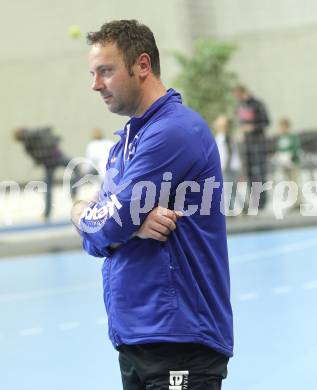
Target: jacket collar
x,y
137,122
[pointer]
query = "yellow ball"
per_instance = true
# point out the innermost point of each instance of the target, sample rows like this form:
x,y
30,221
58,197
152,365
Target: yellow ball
x,y
74,32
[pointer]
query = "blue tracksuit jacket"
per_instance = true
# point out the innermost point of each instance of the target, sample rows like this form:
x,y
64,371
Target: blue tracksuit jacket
x,y
174,291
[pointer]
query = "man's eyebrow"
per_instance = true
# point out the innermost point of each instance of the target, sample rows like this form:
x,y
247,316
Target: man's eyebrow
x,y
100,67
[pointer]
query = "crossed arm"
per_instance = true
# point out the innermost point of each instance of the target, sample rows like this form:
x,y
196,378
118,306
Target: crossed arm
x,y
159,223
159,152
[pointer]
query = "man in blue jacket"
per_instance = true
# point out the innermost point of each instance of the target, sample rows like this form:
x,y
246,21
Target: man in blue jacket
x,y
158,224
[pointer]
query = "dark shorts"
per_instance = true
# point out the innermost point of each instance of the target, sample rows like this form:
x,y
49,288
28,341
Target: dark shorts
x,y
171,366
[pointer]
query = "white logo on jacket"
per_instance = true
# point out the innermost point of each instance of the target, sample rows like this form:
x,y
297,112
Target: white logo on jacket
x,y
94,213
178,380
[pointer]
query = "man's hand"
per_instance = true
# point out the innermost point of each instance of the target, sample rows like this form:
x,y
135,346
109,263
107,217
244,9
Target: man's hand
x,y
159,224
80,206
77,210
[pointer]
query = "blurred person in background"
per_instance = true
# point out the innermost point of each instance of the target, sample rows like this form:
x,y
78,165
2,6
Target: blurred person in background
x,y
253,119
97,152
43,146
230,159
288,151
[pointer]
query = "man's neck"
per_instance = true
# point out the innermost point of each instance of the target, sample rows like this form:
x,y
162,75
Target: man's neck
x,y
152,91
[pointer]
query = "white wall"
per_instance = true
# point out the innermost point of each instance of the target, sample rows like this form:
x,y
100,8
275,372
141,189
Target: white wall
x,y
45,80
277,50
44,76
281,68
250,16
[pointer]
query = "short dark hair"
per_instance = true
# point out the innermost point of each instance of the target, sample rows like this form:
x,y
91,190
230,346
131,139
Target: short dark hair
x,y
132,38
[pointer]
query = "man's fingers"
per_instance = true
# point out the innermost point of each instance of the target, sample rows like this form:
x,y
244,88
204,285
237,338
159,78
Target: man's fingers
x,y
169,223
172,214
77,211
158,224
178,214
162,211
156,235
165,222
160,228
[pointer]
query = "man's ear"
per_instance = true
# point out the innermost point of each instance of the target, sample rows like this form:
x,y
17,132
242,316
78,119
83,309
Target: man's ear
x,y
144,65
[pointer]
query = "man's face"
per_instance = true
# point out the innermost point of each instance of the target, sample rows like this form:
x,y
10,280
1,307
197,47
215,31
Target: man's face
x,y
239,95
221,124
284,129
119,90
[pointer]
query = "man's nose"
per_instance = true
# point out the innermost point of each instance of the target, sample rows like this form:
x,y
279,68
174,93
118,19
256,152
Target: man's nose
x,y
98,84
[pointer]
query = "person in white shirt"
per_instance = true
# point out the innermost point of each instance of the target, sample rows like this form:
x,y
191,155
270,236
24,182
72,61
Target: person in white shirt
x,y
230,161
97,152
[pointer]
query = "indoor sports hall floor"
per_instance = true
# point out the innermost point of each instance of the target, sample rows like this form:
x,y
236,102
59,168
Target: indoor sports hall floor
x,y
53,326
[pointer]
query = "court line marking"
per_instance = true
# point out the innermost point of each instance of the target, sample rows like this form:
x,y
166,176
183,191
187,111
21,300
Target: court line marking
x,y
102,321
310,285
25,295
248,296
289,248
30,332
281,290
64,326
278,290
68,326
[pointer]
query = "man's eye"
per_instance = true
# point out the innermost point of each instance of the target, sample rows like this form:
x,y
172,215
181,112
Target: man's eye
x,y
105,72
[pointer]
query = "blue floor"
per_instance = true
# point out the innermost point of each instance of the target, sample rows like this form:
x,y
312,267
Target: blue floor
x,y
53,326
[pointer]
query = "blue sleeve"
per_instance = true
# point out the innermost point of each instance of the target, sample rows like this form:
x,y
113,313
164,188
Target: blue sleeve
x,y
160,150
93,251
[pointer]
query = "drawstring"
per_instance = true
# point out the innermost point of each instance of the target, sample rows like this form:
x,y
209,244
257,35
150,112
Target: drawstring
x,y
125,152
